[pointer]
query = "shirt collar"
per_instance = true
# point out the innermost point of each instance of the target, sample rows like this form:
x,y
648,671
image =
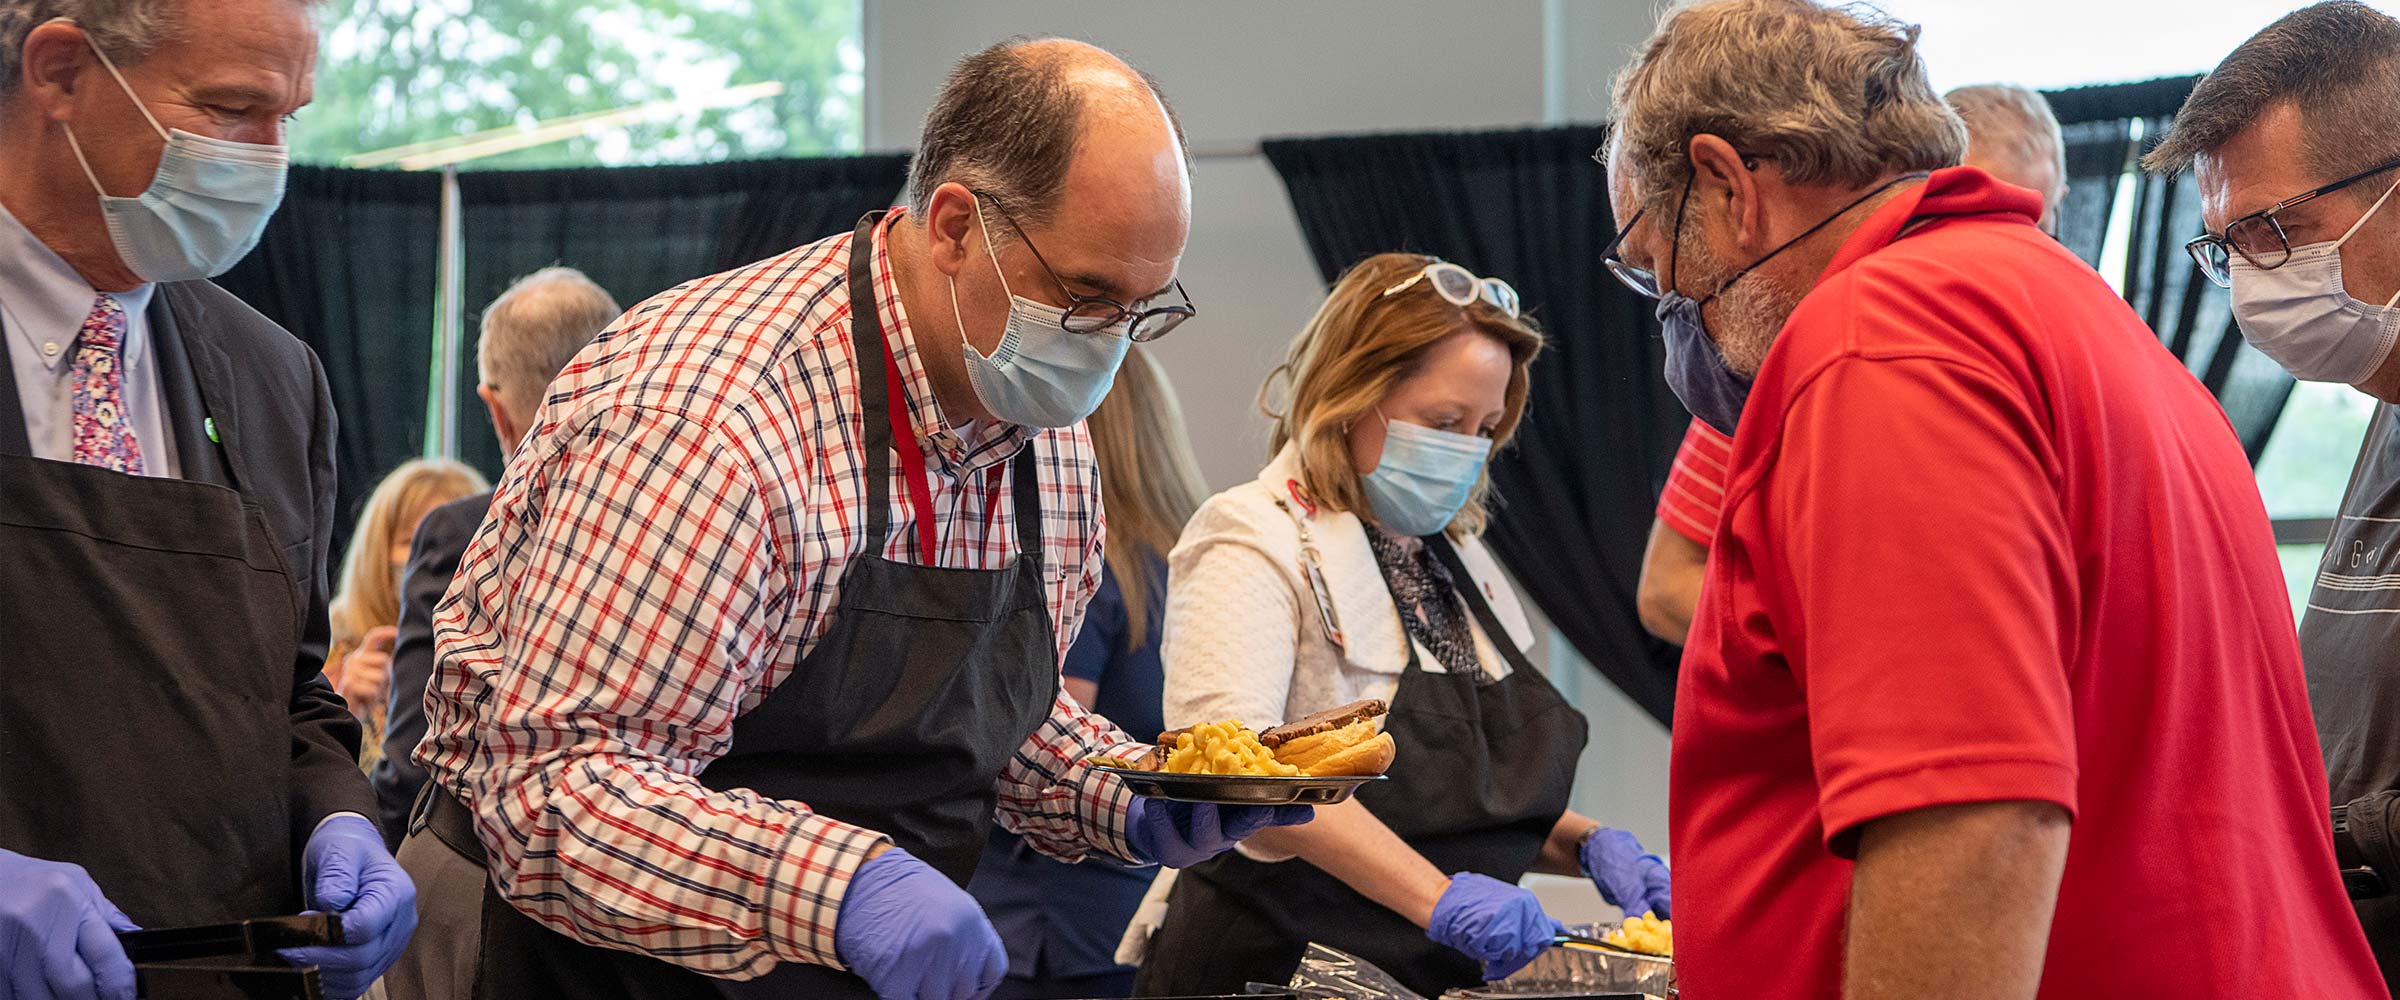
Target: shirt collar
x,y
1952,191
43,301
954,449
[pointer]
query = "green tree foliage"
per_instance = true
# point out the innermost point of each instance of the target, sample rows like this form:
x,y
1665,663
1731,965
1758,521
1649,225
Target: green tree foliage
x,y
403,71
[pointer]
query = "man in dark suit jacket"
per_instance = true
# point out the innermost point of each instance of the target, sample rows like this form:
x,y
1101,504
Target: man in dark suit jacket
x,y
529,333
169,752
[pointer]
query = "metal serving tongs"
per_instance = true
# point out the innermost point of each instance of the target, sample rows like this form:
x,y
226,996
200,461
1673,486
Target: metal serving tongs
x,y
1565,940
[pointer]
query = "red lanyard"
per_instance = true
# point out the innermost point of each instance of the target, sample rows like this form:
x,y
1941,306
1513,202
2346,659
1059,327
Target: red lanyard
x,y
912,459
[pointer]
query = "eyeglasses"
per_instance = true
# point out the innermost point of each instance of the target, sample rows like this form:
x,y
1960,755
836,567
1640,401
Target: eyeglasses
x,y
1641,280
1095,313
1460,287
2259,236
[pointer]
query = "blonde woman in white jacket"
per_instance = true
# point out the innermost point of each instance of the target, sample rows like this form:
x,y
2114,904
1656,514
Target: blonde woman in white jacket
x,y
1351,569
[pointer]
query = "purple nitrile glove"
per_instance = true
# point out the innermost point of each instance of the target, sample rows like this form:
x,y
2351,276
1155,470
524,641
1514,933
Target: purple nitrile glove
x,y
913,934
1492,922
58,934
1627,876
346,871
1183,834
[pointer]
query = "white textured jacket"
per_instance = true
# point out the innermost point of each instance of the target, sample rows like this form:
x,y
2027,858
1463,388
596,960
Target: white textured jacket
x,y
1244,639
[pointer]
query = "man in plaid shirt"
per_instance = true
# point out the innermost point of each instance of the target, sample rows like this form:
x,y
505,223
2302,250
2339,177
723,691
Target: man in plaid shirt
x,y
731,686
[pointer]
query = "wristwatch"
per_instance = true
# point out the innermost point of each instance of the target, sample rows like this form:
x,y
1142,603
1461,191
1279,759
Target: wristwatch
x,y
1583,842
2359,878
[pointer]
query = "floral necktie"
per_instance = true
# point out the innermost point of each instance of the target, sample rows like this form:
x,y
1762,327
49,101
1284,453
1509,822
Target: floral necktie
x,y
103,430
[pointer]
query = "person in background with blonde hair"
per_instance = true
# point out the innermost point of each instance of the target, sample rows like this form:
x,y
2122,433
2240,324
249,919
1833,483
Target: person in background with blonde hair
x,y
1060,921
1412,373
366,607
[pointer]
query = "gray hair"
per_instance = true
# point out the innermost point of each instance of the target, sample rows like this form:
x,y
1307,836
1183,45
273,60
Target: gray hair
x,y
128,30
534,328
2016,120
1007,122
2339,61
1831,95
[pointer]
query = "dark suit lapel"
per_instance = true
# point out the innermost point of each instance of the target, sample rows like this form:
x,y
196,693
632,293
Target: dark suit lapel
x,y
200,391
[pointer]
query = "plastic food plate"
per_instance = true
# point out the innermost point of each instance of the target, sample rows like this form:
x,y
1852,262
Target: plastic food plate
x,y
1241,789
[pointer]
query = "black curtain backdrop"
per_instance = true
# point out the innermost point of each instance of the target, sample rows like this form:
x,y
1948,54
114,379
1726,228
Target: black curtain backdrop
x,y
639,231
348,266
2191,315
1579,484
1583,477
2096,152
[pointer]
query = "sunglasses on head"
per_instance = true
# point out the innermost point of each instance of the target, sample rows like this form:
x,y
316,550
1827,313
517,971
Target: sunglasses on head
x,y
1460,287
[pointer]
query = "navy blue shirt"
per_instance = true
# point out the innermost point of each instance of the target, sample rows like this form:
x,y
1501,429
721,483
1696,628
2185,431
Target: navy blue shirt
x,y
1132,682
1060,919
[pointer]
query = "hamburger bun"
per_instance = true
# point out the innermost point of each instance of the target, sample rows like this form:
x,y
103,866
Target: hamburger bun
x,y
1337,742
1333,755
1372,757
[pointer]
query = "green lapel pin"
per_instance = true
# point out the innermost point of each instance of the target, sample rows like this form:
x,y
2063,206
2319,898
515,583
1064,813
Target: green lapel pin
x,y
210,424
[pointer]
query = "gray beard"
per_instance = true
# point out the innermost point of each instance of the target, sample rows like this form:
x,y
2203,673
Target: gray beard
x,y
1745,318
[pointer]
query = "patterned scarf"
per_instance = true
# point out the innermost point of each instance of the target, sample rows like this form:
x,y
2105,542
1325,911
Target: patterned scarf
x,y
1428,601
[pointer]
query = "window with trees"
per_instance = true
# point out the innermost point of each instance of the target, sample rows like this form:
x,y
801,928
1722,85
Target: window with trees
x,y
542,83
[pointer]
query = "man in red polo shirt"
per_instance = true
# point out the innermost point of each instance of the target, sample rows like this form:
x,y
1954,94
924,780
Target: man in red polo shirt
x,y
2011,135
1993,690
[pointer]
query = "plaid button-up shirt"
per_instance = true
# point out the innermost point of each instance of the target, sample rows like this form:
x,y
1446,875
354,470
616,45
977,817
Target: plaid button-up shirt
x,y
666,546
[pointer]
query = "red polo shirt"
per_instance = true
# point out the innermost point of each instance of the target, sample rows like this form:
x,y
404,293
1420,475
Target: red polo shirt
x,y
1985,539
1695,491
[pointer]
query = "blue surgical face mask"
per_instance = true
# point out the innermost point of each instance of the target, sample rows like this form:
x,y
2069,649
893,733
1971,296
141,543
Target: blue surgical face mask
x,y
1040,375
1424,478
1696,369
2300,315
205,208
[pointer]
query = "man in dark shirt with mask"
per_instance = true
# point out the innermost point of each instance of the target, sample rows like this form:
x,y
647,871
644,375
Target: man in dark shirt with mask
x,y
2296,141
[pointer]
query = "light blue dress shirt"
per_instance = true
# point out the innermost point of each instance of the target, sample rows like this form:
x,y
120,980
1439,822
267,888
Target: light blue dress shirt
x,y
43,302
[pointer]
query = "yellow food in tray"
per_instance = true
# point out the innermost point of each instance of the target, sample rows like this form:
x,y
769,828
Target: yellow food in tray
x,y
1224,748
1645,933
1344,741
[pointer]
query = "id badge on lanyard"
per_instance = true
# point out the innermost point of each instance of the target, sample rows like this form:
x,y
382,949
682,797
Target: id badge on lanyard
x,y
1312,566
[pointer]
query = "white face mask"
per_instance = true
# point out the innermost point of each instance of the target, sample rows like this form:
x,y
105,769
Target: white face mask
x,y
205,208
1040,375
2300,316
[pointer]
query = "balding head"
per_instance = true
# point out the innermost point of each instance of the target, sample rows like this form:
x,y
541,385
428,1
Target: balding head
x,y
2012,135
1053,173
1015,118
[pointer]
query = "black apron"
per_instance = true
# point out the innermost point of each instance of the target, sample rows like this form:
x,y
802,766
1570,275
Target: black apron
x,y
1484,772
922,688
149,629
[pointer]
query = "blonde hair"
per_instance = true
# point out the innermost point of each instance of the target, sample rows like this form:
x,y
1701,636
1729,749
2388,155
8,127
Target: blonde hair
x,y
368,596
1361,344
1149,481
1831,95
